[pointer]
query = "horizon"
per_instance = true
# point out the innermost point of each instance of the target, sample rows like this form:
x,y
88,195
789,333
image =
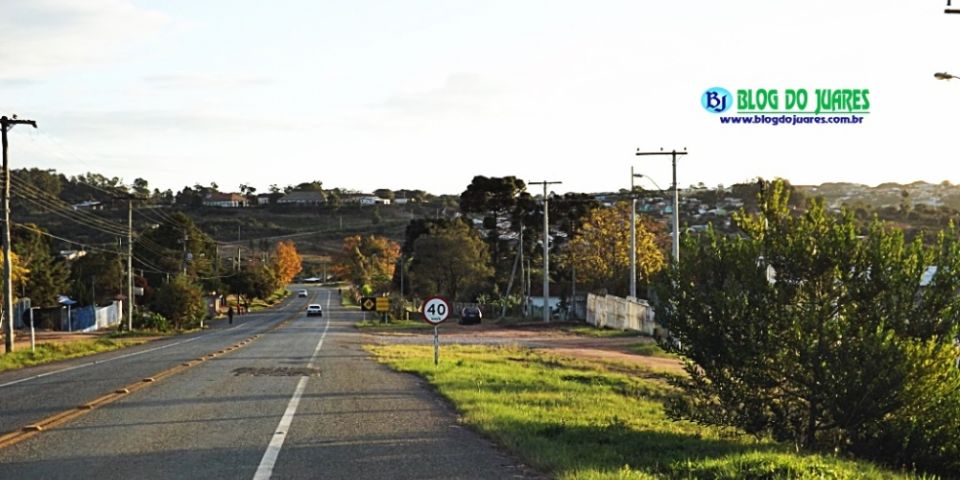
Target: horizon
x,y
424,94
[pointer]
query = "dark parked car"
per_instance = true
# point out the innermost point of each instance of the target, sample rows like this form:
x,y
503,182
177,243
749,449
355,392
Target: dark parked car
x,y
470,316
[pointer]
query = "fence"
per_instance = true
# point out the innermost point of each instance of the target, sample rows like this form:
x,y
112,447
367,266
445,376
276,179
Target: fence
x,y
620,313
88,319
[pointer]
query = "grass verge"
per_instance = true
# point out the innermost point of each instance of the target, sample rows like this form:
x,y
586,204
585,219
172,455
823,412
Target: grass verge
x,y
648,349
393,325
146,333
52,352
589,331
578,420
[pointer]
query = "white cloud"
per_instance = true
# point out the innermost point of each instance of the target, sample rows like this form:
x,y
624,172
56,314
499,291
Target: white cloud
x,y
204,81
44,36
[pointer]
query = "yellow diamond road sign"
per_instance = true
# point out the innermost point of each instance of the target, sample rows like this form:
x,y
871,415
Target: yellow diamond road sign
x,y
368,304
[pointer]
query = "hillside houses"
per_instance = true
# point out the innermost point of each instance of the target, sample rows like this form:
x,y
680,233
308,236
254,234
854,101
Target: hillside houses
x,y
311,198
224,200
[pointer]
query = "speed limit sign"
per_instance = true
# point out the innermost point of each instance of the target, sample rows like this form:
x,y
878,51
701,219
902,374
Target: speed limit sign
x,y
436,310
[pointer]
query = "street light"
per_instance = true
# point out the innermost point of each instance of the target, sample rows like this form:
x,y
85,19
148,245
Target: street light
x,y
944,76
676,199
633,234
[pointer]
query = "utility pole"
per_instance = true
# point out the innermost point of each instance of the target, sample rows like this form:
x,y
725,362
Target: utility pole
x,y
633,235
523,273
546,248
185,238
130,297
676,199
5,125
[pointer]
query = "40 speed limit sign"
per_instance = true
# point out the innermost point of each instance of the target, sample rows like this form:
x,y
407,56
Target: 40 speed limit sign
x,y
436,310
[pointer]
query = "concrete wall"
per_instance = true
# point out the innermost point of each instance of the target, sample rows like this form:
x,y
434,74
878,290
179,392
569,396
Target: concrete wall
x,y
623,314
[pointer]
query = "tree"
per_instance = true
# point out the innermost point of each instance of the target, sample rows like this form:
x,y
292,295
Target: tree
x,y
368,261
286,262
254,281
175,244
600,249
96,277
180,301
802,329
384,193
314,186
48,276
141,188
451,261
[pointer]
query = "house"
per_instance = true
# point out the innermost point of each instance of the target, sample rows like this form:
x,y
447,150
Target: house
x,y
264,199
303,198
373,200
88,205
72,254
364,199
224,200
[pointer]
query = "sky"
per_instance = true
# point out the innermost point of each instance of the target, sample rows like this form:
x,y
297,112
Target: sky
x,y
367,94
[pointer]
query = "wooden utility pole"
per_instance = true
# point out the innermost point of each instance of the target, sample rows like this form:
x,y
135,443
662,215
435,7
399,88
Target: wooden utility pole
x,y
5,125
130,297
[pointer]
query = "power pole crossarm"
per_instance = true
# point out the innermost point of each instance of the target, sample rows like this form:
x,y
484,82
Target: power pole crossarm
x,y
676,199
5,125
546,249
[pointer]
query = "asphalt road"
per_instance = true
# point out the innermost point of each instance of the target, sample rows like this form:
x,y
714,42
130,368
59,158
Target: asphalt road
x,y
301,401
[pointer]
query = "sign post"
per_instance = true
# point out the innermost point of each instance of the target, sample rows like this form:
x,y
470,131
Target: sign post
x,y
367,304
435,310
383,306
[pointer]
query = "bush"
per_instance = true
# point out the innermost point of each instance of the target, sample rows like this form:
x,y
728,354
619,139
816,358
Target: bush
x,y
150,321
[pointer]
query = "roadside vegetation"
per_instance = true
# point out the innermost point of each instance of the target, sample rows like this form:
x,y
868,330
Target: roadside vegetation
x,y
577,419
51,352
589,331
378,324
811,331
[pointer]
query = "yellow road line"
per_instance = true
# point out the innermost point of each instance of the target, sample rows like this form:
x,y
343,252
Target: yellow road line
x,y
52,421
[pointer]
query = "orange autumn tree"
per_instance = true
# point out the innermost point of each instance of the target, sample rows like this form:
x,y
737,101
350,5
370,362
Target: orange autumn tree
x,y
600,249
368,262
286,261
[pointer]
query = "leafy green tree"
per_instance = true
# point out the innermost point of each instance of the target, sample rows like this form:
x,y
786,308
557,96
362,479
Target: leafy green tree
x,y
141,188
803,329
180,301
48,276
176,244
254,281
96,277
451,261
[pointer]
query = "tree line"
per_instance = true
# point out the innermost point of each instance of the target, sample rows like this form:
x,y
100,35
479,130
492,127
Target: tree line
x,y
803,325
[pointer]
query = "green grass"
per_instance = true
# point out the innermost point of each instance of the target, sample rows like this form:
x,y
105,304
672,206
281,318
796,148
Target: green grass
x,y
259,304
589,331
648,349
346,297
51,352
577,420
377,324
143,333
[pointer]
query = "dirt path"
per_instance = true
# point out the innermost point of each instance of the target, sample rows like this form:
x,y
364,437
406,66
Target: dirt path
x,y
551,338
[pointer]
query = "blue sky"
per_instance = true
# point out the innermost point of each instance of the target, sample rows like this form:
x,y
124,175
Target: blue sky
x,y
426,94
